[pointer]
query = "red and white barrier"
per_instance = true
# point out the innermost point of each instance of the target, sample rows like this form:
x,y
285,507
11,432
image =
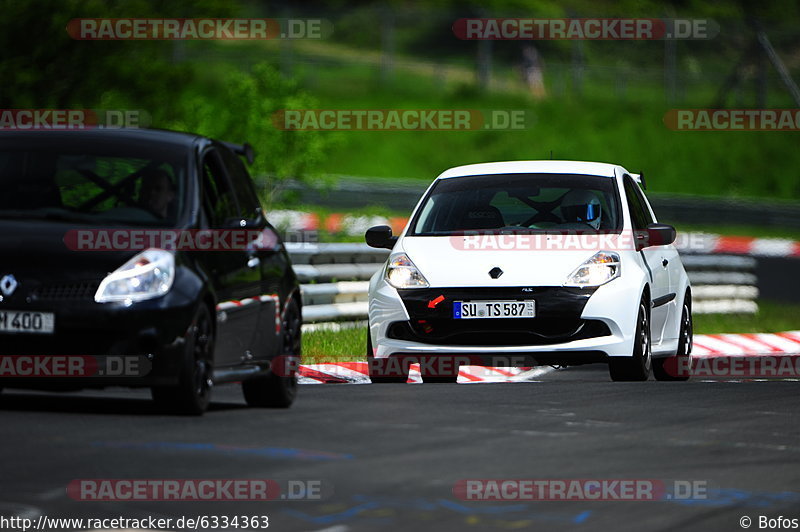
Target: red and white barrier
x,y
355,225
759,247
753,344
357,373
705,346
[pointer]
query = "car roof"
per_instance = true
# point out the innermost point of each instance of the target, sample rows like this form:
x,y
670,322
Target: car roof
x,y
161,136
533,167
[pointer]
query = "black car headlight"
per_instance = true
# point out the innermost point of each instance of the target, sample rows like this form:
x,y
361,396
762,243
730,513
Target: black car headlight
x,y
147,275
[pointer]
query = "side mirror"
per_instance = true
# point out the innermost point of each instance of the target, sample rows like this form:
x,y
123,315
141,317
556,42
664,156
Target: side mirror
x,y
248,152
380,236
655,235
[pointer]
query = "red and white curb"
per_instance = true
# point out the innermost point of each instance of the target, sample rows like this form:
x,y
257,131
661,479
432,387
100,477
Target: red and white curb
x,y
705,346
754,344
357,373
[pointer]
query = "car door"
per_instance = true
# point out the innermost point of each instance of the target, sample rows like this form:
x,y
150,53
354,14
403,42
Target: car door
x,y
654,259
670,260
263,255
235,279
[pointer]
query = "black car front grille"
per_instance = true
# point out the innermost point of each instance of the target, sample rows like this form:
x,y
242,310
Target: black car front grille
x,y
66,291
497,332
552,302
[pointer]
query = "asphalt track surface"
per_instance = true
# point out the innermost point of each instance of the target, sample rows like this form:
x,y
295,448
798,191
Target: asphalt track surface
x,y
391,454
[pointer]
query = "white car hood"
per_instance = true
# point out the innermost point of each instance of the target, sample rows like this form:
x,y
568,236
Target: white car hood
x,y
445,263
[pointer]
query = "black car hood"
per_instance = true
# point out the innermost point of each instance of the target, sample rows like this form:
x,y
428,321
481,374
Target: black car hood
x,y
36,250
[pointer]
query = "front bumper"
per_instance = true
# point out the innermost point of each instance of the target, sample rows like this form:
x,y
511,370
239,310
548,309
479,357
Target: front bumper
x,y
98,345
572,325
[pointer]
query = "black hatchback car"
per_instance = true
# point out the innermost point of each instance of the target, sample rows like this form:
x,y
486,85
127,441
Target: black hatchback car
x,y
141,258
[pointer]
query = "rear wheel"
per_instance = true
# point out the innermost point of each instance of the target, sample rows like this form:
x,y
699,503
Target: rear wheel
x,y
679,366
636,367
273,390
381,370
193,392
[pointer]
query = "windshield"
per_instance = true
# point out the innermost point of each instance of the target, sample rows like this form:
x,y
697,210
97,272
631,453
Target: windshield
x,y
94,184
520,202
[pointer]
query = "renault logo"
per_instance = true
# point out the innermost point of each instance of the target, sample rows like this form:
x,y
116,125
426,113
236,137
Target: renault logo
x,y
495,272
8,284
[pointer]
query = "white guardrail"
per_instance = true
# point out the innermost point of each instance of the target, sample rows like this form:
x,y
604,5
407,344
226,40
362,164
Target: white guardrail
x,y
334,280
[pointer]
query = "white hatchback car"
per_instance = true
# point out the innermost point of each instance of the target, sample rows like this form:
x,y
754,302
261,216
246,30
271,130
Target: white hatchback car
x,y
527,263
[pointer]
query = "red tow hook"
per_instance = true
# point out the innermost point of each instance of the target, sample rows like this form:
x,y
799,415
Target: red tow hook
x,y
433,302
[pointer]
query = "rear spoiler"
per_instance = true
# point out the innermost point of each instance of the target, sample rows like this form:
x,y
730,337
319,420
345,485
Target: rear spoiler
x,y
245,150
639,178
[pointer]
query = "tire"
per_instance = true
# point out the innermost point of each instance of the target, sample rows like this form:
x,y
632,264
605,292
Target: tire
x,y
440,379
192,395
273,390
439,371
636,367
377,369
678,367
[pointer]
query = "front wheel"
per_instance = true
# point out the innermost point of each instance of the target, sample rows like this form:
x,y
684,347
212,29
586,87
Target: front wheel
x,y
439,370
192,395
636,367
273,390
678,367
438,378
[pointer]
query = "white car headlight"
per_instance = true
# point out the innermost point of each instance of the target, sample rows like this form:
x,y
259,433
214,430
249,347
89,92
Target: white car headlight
x,y
401,273
601,268
147,275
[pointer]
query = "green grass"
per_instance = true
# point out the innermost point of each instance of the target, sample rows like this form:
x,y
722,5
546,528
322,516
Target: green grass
x,y
706,163
598,126
603,124
350,344
335,346
771,317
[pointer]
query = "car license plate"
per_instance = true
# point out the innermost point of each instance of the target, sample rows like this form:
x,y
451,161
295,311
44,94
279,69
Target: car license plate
x,y
20,321
467,310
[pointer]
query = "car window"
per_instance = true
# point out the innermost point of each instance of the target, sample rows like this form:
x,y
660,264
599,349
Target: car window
x,y
640,215
527,202
242,184
643,202
98,183
219,201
